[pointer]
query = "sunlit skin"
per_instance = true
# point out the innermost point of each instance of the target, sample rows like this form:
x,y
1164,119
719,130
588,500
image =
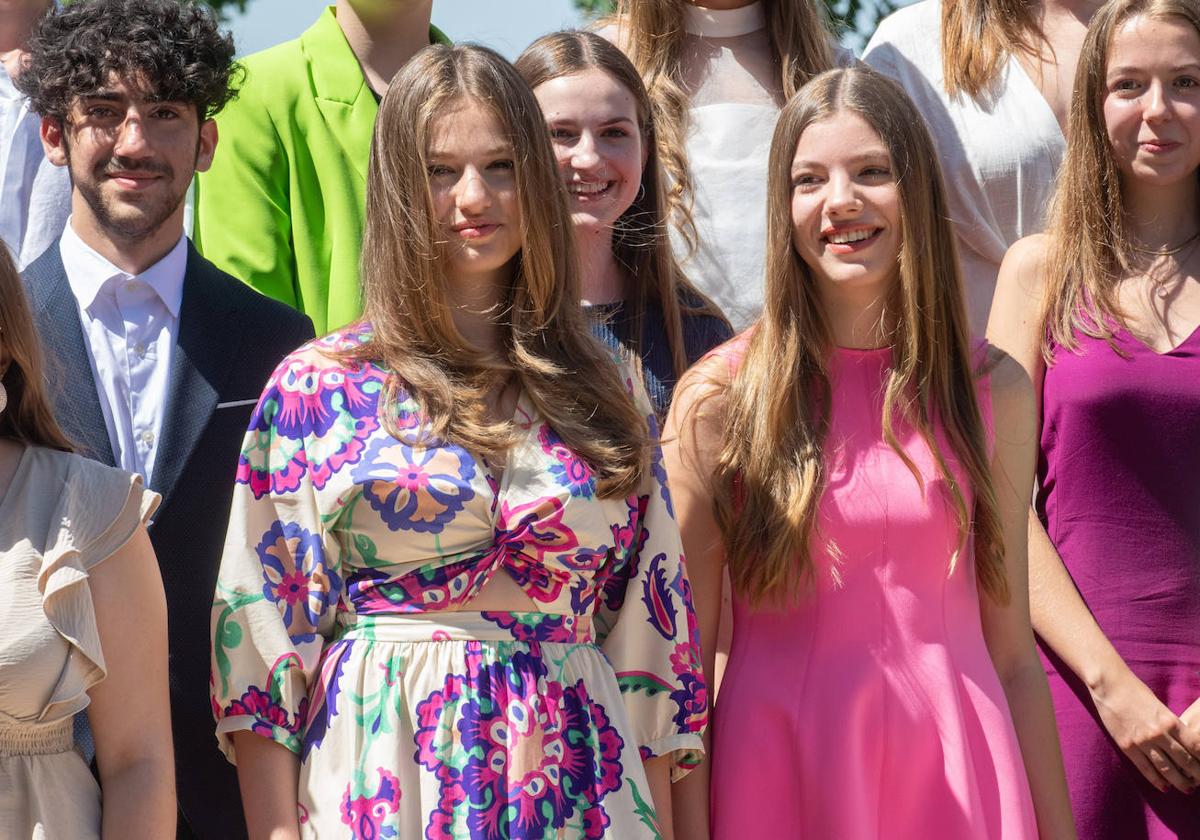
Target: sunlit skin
x,y
131,160
843,187
594,128
472,176
1152,104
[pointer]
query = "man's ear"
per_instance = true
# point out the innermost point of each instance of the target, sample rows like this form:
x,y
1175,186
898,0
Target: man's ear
x,y
53,141
207,145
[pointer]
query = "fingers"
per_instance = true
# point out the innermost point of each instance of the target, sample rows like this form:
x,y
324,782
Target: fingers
x,y
1162,757
1147,769
1183,749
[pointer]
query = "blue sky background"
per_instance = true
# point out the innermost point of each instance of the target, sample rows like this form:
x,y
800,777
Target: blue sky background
x,y
505,25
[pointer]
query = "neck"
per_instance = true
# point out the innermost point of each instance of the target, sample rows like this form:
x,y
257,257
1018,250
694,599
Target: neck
x,y
17,24
855,316
1161,217
131,255
477,307
603,279
1080,10
384,34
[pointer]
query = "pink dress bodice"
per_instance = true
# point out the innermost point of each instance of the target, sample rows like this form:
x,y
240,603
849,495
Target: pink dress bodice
x,y
871,709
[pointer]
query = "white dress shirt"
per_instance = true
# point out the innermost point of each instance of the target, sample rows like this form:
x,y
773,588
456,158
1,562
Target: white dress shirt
x,y
35,195
129,325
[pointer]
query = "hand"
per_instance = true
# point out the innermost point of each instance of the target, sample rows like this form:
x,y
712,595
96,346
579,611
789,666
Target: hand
x,y
1165,749
1191,716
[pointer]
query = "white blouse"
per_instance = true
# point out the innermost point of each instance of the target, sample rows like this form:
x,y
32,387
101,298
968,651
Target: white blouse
x,y
999,155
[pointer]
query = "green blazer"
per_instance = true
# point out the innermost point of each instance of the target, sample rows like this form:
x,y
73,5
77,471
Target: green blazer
x,y
282,206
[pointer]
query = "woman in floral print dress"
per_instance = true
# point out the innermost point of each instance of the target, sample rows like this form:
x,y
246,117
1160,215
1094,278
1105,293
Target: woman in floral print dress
x,y
452,602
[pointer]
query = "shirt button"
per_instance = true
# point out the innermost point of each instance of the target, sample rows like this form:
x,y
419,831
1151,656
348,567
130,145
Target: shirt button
x,y
140,349
147,437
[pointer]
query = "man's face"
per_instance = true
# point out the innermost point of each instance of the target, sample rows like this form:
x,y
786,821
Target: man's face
x,y
131,158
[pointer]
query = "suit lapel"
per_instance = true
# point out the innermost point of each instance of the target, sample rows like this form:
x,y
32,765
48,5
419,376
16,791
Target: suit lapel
x,y
340,90
205,346
76,401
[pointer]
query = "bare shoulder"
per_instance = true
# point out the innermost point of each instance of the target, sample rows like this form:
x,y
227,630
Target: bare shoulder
x,y
703,390
1024,264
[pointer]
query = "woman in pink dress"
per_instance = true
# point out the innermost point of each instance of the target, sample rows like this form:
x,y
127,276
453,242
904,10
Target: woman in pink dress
x,y
838,458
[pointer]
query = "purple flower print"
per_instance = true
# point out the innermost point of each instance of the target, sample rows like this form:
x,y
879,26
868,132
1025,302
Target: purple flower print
x,y
268,713
658,597
414,488
517,755
570,471
367,815
296,578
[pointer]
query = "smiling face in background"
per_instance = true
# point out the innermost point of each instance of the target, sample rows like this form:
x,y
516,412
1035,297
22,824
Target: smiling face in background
x,y
846,205
472,177
131,158
597,140
1152,103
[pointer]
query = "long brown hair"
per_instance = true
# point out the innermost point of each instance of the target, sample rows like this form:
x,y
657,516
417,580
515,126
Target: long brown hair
x,y
770,473
652,33
1089,245
568,375
28,417
640,242
978,36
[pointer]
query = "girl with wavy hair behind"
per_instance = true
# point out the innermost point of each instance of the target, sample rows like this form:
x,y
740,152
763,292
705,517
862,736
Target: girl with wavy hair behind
x,y
84,621
862,471
452,601
994,87
602,129
717,78
1103,310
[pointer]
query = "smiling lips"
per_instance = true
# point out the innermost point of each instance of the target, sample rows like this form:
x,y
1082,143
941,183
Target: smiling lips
x,y
847,240
587,190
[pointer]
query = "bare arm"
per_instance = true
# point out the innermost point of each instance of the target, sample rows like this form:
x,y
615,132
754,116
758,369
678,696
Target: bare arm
x,y
691,441
129,711
269,779
658,774
1007,627
1161,745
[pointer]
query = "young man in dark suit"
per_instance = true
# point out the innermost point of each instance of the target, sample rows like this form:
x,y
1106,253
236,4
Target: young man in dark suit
x,y
160,356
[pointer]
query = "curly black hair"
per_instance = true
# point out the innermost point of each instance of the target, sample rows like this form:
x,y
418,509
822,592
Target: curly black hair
x,y
174,45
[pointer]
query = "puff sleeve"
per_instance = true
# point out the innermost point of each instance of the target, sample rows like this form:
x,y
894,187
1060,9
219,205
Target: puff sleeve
x,y
279,585
647,625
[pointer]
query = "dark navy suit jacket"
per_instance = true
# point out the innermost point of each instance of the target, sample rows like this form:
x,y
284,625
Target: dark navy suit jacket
x,y
229,340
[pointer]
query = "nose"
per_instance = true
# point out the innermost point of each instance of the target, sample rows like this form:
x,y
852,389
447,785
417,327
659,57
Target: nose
x,y
1157,104
472,196
583,154
842,198
131,137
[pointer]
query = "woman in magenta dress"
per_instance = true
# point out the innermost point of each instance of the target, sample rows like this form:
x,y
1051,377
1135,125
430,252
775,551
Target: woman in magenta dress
x,y
1108,325
839,459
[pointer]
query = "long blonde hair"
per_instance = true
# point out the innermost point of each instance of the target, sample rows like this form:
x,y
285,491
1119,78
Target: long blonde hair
x,y
652,33
1089,241
640,242
770,473
977,38
570,378
28,417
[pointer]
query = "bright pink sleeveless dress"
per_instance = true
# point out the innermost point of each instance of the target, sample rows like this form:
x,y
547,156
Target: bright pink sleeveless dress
x,y
872,709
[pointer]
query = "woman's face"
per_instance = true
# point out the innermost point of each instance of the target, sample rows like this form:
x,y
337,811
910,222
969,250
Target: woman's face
x,y
1152,99
472,176
845,203
594,128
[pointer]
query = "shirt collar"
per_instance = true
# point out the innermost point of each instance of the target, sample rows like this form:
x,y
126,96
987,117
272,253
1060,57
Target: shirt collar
x,y
88,271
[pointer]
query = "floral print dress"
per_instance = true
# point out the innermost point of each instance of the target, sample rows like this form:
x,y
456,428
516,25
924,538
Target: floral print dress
x,y
342,627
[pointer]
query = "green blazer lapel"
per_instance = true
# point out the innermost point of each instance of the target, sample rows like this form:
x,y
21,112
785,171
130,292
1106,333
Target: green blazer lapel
x,y
340,90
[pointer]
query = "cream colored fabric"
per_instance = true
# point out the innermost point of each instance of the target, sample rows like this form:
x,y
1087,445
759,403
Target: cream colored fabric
x,y
999,156
61,515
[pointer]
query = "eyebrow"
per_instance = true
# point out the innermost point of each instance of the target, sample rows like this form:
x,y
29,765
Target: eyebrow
x,y
1129,69
865,157
495,151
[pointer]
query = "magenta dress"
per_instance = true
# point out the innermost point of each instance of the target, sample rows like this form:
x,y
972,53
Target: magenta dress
x,y
872,710
1120,498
